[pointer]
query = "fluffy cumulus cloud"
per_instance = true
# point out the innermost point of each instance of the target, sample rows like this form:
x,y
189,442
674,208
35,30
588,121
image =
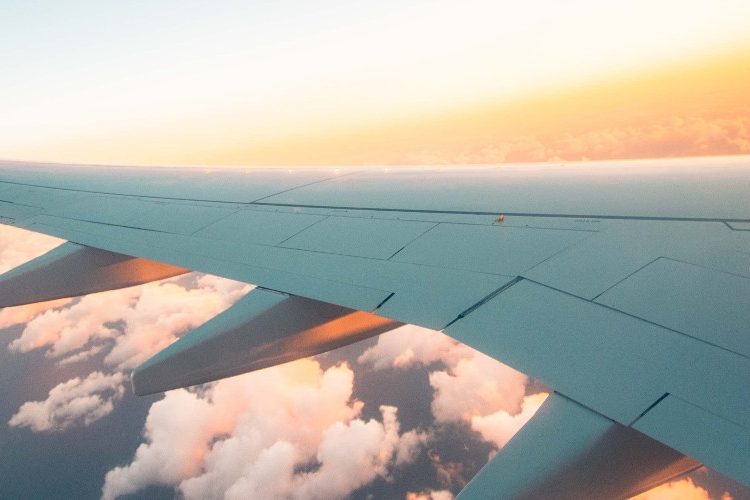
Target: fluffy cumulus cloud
x,y
127,325
476,385
134,322
473,388
77,401
11,316
683,489
500,426
411,345
292,431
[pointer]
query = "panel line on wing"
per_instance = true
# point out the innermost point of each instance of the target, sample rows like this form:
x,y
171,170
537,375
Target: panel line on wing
x,y
742,227
712,269
302,186
509,214
384,301
301,230
413,240
638,318
485,299
564,249
662,398
626,277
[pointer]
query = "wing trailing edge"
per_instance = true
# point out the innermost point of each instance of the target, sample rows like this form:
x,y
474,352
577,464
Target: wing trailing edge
x,y
263,329
568,451
71,270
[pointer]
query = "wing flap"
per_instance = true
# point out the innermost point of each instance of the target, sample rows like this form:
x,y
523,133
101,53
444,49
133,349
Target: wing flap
x,y
262,329
567,451
70,270
701,434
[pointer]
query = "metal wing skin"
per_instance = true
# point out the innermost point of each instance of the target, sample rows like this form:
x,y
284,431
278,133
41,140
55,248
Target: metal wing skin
x,y
624,286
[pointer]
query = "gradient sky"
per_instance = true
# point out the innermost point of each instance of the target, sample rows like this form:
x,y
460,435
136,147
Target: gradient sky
x,y
330,81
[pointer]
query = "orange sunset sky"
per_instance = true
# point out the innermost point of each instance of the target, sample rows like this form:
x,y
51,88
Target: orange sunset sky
x,y
351,83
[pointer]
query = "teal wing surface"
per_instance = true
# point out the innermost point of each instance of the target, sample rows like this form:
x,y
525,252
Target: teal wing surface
x,y
624,286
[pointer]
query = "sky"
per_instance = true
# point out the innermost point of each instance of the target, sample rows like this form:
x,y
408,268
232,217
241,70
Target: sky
x,y
411,414
249,83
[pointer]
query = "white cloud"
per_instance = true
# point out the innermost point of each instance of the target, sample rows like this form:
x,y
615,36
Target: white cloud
x,y
152,316
129,325
353,454
73,402
412,345
473,388
471,385
81,356
689,135
18,246
178,430
478,385
249,436
430,495
164,311
683,489
10,316
68,329
500,426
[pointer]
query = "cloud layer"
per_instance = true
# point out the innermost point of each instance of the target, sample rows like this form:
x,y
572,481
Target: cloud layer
x,y
18,246
472,388
666,137
134,323
684,489
77,401
291,431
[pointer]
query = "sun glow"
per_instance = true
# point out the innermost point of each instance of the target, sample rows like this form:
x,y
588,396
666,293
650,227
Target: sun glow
x,y
323,83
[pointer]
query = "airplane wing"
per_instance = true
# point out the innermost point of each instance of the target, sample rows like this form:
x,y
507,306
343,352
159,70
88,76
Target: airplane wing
x,y
624,286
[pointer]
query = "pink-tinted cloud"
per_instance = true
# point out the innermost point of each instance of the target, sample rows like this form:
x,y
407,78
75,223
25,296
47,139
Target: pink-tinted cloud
x,y
473,389
247,437
500,426
683,489
77,401
695,135
152,316
430,495
162,312
68,329
129,325
411,345
471,385
475,386
18,246
11,316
